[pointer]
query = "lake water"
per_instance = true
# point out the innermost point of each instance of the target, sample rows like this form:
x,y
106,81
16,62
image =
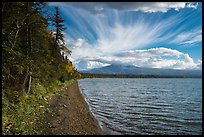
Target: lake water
x,y
167,106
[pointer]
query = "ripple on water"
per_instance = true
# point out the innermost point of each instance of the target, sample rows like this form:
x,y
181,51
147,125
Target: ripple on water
x,y
146,106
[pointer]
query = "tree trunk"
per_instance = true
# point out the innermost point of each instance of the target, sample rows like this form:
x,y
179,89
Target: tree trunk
x,y
16,34
29,84
3,5
29,47
25,79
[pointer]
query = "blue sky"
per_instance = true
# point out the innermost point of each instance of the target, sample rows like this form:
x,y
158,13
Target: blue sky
x,y
149,34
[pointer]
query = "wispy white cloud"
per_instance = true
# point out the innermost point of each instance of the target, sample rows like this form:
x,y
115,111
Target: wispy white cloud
x,y
109,31
78,43
192,5
189,38
112,39
147,7
153,52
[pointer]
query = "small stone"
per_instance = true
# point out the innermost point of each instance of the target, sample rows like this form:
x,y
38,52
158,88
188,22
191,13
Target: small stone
x,y
65,106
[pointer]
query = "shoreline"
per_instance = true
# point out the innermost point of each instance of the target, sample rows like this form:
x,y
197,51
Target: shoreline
x,y
71,114
89,108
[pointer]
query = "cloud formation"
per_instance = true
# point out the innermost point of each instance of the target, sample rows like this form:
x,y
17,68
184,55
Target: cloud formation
x,y
147,7
154,58
112,39
119,36
189,38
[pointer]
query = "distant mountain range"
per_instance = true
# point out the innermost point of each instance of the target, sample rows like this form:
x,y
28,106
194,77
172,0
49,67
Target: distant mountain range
x,y
132,70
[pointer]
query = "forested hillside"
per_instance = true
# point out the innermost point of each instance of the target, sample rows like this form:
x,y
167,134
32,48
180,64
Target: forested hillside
x,y
34,59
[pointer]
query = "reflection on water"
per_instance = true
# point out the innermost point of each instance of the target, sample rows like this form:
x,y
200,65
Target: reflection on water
x,y
145,105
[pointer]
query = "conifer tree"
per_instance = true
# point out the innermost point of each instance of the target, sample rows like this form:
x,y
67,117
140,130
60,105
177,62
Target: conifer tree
x,y
60,27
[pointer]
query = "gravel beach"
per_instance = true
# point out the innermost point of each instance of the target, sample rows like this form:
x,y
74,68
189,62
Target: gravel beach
x,y
71,114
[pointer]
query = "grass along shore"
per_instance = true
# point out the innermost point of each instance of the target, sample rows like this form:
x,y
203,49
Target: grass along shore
x,y
21,118
57,109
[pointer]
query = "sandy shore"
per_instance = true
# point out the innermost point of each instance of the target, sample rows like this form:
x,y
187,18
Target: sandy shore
x,y
71,114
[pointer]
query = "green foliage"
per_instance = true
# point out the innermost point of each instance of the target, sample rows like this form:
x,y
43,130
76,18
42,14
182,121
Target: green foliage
x,y
29,48
31,64
23,117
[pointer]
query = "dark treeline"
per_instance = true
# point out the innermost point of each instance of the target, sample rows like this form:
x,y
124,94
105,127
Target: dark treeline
x,y
88,75
35,64
31,53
